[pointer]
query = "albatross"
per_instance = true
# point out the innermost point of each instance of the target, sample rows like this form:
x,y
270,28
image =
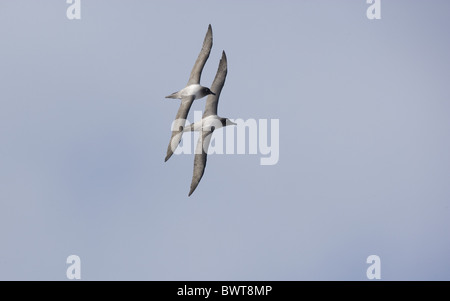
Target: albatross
x,y
188,94
209,123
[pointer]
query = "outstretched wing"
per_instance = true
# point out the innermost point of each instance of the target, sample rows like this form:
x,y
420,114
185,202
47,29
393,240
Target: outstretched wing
x,y
201,152
217,85
196,72
178,125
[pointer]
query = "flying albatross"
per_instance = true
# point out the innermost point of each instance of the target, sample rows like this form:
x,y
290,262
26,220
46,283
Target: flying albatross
x,y
188,94
210,122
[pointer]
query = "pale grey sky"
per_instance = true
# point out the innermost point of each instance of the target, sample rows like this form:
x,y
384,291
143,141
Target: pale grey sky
x,y
363,107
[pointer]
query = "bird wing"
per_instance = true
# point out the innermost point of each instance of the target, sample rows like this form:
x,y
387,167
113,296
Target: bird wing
x,y
196,72
217,85
178,125
201,152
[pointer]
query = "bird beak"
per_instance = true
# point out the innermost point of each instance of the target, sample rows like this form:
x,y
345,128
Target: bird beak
x,y
231,123
213,93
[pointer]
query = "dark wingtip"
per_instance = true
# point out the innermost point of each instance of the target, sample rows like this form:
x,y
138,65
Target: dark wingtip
x,y
167,157
193,187
223,64
208,38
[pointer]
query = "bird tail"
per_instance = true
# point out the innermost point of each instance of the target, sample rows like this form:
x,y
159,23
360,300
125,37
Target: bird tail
x,y
173,95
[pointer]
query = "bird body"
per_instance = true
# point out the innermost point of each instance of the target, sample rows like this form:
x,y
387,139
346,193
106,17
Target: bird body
x,y
195,90
209,123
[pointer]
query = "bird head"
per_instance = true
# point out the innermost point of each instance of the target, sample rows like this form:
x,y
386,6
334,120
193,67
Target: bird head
x,y
226,122
207,91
